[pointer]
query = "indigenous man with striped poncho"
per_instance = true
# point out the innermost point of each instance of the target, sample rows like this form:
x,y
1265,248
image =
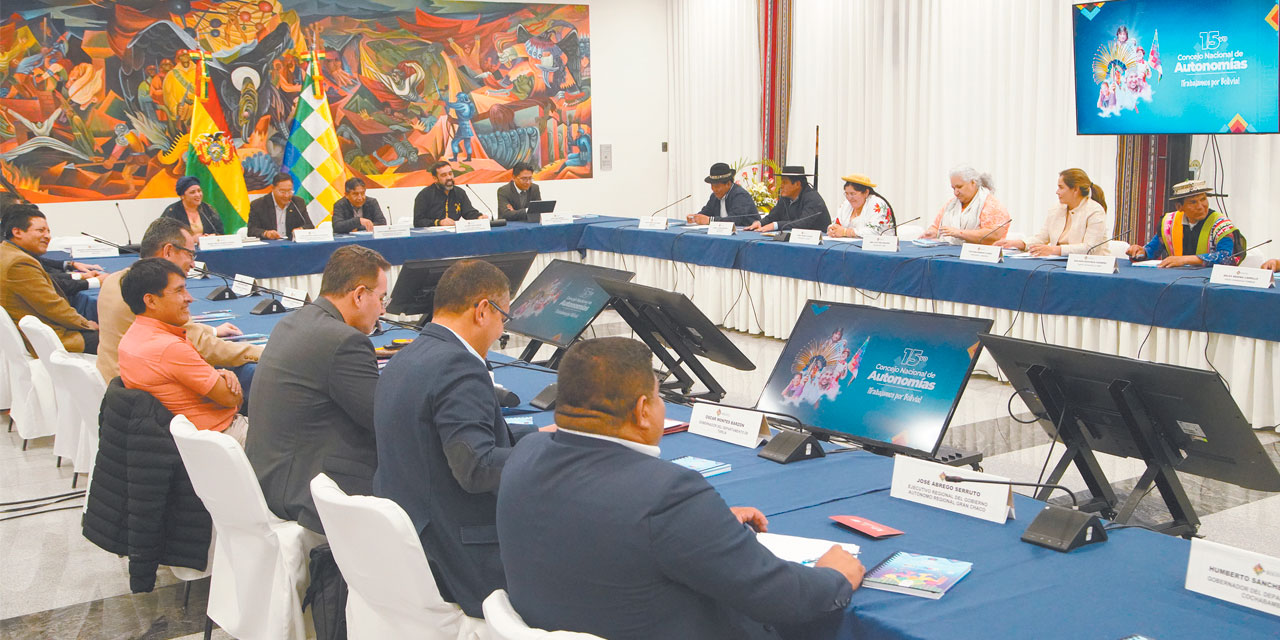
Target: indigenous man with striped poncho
x,y
1194,235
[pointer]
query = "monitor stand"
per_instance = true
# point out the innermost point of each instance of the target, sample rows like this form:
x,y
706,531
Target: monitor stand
x,y
531,351
949,456
676,357
1160,458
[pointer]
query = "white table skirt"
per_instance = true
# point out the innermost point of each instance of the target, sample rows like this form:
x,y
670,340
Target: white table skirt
x,y
769,305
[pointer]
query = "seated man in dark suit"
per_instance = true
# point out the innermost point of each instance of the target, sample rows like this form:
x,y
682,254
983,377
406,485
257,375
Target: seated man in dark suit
x,y
800,206
514,197
442,204
599,535
312,396
442,441
276,214
729,201
356,211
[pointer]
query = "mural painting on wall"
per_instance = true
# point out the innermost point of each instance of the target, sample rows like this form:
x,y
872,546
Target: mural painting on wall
x,y
95,97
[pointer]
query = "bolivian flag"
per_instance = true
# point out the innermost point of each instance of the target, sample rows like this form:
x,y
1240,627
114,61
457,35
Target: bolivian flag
x,y
212,157
312,155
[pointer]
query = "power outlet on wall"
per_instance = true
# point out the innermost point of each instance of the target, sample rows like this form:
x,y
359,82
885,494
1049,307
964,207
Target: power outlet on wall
x,y
606,157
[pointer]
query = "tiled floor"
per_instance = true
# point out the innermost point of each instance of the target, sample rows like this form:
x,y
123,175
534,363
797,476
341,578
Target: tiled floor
x,y
56,584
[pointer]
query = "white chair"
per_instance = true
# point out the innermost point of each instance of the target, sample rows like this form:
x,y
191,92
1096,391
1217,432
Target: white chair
x,y
259,560
1253,261
392,593
909,232
1117,248
78,407
505,624
31,404
327,224
66,429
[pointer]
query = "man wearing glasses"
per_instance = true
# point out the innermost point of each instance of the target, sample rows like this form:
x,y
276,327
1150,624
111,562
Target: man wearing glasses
x,y
442,441
172,240
312,398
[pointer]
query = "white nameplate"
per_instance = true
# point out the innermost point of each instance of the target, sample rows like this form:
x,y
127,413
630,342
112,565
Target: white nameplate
x,y
1242,577
1238,276
313,235
1085,263
806,236
886,244
232,241
472,226
243,285
651,222
921,481
391,230
557,218
97,250
742,427
723,228
980,253
197,270
293,298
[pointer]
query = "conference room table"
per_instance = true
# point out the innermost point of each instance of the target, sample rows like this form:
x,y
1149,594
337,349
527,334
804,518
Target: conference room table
x,y
1131,584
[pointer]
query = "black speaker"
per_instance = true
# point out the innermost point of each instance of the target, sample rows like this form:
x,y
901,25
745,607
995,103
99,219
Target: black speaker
x,y
268,307
546,399
222,293
790,446
1063,529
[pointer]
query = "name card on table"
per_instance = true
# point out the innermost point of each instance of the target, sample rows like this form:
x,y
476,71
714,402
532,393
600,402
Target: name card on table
x,y
1241,577
1238,276
197,270
313,235
723,228
398,230
1085,263
556,218
471,226
651,222
884,244
980,253
243,285
806,236
98,250
921,481
742,427
293,298
232,241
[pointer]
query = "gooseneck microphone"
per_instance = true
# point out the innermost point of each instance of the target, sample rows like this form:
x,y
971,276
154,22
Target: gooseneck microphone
x,y
1075,504
1090,249
993,230
128,234
669,206
1247,249
486,205
895,221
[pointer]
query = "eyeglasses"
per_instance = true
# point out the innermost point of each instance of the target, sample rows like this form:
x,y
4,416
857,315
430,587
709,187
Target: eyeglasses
x,y
506,317
192,252
383,299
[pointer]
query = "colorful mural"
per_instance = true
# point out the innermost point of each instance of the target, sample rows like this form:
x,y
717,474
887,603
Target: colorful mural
x,y
95,96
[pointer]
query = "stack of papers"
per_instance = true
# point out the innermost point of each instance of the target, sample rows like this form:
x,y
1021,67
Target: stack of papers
x,y
805,551
213,316
928,242
706,467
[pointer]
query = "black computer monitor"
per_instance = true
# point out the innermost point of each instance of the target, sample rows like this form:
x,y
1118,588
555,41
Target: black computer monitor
x,y
1192,410
415,288
884,378
559,304
678,333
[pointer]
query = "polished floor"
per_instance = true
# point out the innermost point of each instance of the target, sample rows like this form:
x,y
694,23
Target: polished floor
x,y
56,584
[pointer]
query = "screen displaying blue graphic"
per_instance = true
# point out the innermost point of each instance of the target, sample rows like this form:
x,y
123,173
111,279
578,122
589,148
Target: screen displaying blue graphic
x,y
559,304
1177,66
890,377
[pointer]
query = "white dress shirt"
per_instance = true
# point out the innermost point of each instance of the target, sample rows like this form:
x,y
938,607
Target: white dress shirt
x,y
647,449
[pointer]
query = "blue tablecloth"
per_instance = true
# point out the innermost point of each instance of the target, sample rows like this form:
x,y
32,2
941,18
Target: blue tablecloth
x,y
1130,584
1185,299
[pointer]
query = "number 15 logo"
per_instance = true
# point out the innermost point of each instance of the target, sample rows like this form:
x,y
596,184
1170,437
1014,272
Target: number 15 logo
x,y
1210,40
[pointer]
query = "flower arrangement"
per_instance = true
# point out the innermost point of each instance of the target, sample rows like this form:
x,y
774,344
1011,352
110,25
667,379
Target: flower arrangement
x,y
758,178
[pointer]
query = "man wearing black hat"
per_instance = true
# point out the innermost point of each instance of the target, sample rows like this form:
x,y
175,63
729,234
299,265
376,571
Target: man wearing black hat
x,y
1194,235
728,202
799,205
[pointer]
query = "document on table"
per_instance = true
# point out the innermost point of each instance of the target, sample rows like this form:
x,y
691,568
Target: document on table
x,y
1145,263
805,551
835,239
1026,255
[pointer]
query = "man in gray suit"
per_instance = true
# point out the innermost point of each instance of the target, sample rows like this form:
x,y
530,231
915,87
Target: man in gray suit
x,y
514,197
598,534
312,395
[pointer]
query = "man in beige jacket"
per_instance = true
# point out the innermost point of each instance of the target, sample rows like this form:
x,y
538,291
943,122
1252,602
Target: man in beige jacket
x,y
26,288
169,239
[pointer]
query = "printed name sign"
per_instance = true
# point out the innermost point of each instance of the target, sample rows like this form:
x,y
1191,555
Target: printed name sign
x,y
556,218
472,226
1085,263
398,230
725,228
653,223
1242,276
980,253
884,244
923,482
742,427
806,236
1245,578
232,241
313,235
243,285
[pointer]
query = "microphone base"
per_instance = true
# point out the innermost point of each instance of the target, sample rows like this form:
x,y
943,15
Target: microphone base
x,y
791,446
1063,529
222,293
268,307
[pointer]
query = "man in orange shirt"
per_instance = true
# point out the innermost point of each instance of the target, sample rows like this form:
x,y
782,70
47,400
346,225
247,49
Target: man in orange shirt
x,y
156,357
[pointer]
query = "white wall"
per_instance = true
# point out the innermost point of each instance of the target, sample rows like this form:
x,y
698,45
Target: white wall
x,y
629,67
1249,168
